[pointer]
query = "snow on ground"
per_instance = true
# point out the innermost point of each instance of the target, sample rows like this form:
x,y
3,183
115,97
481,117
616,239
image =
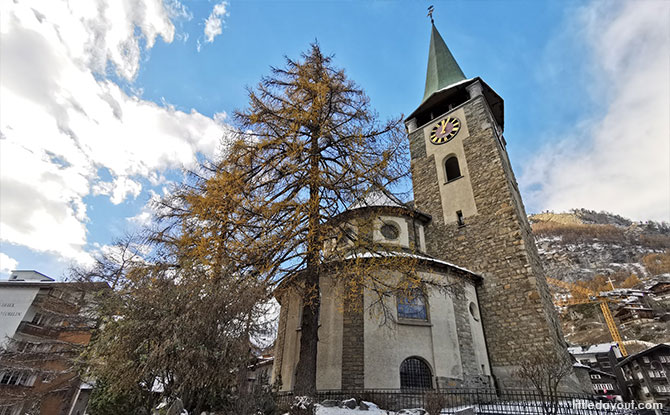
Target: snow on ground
x,y
373,410
506,408
322,410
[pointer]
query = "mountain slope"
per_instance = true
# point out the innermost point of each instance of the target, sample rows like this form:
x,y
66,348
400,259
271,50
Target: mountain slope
x,y
602,251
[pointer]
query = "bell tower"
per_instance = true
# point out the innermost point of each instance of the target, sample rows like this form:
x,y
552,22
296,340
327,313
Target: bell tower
x,y
463,178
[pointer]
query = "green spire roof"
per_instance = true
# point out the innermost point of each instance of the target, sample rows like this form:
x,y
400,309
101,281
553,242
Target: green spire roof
x,y
442,67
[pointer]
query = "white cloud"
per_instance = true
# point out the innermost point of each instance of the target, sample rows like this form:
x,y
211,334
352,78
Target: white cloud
x,y
214,21
620,160
119,189
61,120
7,264
176,10
146,215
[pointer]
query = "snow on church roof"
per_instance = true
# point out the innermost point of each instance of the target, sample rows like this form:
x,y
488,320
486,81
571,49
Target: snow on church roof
x,y
382,198
377,198
407,254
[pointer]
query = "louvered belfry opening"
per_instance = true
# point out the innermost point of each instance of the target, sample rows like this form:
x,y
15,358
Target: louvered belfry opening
x,y
415,374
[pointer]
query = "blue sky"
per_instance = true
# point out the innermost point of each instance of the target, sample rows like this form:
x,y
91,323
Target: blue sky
x,y
383,46
102,103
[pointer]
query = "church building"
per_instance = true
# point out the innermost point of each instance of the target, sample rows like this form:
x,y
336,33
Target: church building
x,y
467,225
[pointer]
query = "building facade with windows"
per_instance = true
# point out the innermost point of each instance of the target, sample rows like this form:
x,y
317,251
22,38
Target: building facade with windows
x,y
604,383
603,356
467,224
44,324
646,375
661,289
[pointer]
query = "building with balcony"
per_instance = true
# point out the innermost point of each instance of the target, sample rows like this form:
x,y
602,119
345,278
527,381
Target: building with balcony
x,y
631,314
603,356
604,383
645,375
661,289
44,324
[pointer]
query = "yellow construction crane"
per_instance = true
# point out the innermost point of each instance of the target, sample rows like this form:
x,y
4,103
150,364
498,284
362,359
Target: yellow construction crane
x,y
591,297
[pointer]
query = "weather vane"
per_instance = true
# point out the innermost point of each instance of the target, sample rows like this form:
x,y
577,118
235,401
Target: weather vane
x,y
430,13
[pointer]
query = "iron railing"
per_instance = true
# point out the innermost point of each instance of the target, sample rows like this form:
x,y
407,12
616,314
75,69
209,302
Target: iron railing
x,y
479,401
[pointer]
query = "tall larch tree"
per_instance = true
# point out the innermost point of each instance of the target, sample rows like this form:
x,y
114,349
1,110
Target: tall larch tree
x,y
311,147
307,149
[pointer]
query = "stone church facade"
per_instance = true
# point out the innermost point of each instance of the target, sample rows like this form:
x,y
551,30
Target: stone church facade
x,y
436,340
467,225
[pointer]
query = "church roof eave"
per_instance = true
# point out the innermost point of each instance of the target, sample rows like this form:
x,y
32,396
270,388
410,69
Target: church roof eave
x,y
382,200
389,210
437,95
424,258
495,102
377,198
475,277
464,82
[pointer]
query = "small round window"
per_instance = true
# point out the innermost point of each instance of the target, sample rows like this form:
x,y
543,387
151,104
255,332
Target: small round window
x,y
390,231
473,311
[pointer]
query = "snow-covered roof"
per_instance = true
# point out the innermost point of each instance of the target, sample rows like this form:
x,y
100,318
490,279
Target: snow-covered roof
x,y
28,275
87,385
377,198
53,283
623,292
602,372
464,81
656,280
643,352
637,308
410,255
592,349
380,198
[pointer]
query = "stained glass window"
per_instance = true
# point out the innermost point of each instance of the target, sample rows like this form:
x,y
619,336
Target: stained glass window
x,y
413,306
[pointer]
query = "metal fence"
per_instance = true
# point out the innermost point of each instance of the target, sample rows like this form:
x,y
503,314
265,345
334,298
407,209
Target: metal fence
x,y
479,401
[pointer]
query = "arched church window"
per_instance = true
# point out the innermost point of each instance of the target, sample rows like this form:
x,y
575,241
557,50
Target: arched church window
x,y
412,306
451,166
415,374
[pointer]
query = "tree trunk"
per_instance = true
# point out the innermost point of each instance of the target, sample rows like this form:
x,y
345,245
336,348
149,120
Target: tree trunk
x,y
305,376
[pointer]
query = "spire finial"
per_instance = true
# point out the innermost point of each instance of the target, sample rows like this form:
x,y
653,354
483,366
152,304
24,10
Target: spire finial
x,y
430,14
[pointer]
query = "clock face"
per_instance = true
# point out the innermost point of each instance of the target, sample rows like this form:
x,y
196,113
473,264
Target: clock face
x,y
445,130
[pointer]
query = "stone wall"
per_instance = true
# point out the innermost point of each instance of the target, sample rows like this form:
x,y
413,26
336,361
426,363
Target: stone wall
x,y
353,347
466,345
515,303
472,373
